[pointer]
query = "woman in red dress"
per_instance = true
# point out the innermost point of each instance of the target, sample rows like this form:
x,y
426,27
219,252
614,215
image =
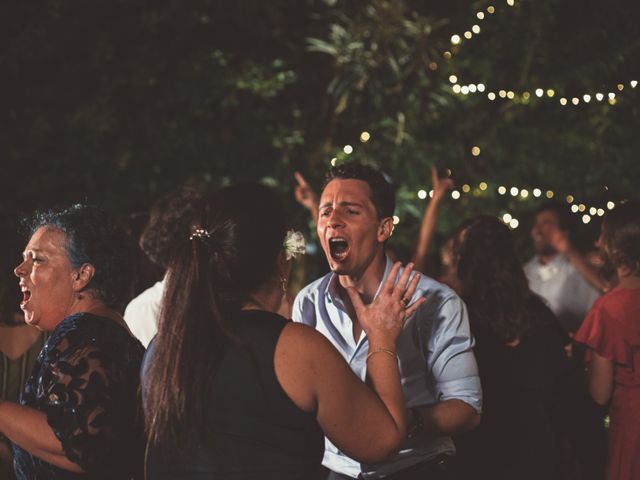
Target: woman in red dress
x,y
611,332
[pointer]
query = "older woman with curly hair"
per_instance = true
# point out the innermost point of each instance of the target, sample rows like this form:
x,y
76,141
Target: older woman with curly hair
x,y
77,412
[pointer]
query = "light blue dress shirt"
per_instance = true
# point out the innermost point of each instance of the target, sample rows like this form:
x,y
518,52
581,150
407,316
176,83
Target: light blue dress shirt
x,y
435,359
563,288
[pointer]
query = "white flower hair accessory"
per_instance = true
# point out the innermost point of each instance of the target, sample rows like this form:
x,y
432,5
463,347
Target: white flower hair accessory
x,y
294,244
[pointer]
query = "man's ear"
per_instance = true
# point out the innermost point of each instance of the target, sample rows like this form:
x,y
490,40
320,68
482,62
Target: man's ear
x,y
385,229
82,276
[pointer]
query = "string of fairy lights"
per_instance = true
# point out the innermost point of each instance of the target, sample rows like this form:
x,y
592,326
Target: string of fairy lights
x,y
608,95
586,212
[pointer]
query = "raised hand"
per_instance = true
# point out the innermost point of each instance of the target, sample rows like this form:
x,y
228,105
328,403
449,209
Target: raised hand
x,y
559,239
305,195
382,319
440,185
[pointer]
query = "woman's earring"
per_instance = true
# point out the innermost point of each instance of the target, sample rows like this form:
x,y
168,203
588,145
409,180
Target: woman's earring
x,y
283,282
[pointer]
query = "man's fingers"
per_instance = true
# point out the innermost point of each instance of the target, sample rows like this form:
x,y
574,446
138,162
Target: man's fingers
x,y
434,177
300,179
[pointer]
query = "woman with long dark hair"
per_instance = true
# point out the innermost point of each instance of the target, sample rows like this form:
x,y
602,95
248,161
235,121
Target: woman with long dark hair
x,y
234,390
521,359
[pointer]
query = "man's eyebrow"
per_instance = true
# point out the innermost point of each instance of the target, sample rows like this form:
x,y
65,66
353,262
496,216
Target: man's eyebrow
x,y
343,204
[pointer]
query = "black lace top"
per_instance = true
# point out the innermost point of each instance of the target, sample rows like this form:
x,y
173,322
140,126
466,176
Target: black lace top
x,y
86,380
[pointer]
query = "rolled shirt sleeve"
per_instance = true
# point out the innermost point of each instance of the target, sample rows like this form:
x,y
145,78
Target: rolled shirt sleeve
x,y
450,358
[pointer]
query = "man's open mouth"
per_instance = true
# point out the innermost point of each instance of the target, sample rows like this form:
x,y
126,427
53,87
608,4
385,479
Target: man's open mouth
x,y
339,248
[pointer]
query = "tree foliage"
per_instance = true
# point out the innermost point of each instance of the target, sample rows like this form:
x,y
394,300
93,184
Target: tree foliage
x,y
119,101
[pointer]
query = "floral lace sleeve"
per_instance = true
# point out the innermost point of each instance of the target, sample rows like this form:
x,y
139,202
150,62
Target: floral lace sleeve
x,y
81,392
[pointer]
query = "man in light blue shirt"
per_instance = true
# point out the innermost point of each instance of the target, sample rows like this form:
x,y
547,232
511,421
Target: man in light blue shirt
x,y
439,373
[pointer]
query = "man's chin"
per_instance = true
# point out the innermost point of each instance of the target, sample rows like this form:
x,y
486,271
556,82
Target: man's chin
x,y
338,267
546,251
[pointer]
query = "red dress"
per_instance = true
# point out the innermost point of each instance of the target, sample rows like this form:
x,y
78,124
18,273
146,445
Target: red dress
x,y
612,329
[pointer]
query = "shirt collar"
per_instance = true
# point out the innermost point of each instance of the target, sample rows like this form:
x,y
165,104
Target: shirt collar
x,y
332,293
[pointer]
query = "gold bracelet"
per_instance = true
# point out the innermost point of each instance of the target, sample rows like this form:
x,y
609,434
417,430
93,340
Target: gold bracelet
x,y
383,350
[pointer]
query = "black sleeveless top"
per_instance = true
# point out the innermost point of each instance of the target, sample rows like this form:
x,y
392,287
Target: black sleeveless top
x,y
255,431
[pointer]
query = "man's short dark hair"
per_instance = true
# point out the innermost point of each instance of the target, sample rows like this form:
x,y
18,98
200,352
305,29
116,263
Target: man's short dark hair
x,y
383,195
566,220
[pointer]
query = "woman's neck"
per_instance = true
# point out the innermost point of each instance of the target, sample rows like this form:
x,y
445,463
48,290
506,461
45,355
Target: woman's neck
x,y
268,299
90,304
627,281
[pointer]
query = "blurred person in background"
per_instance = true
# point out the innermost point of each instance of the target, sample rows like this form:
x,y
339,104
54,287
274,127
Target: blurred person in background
x,y
611,334
520,348
169,221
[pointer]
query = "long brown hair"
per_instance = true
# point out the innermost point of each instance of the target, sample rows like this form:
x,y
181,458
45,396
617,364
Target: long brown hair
x,y
241,232
493,284
621,236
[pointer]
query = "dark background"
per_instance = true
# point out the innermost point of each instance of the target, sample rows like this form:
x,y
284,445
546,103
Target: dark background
x,y
117,102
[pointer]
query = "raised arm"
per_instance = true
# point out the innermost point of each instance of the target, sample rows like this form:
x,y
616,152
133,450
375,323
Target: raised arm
x,y
368,425
560,241
430,219
306,196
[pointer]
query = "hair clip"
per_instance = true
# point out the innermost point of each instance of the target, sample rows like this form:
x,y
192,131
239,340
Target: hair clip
x,y
199,233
